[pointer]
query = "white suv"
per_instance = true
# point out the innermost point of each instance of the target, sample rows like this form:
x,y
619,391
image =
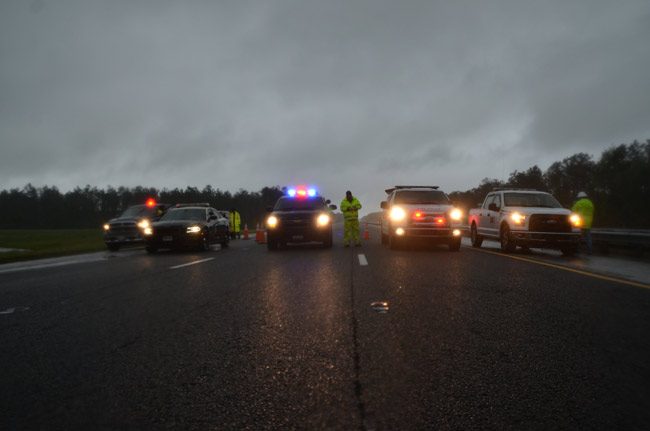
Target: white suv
x,y
420,212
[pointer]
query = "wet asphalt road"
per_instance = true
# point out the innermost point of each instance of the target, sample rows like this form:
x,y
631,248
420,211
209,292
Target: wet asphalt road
x,y
288,340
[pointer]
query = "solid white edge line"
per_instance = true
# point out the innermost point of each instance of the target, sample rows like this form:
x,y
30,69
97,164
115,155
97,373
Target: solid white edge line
x,y
47,265
191,263
362,260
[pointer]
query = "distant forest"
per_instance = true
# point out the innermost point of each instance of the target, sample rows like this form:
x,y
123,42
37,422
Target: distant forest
x,y
90,207
618,183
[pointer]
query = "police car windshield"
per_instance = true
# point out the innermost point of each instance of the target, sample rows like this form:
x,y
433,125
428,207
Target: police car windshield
x,y
136,211
538,200
421,197
184,214
288,204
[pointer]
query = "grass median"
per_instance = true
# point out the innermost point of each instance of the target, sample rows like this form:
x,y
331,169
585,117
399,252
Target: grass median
x,y
39,243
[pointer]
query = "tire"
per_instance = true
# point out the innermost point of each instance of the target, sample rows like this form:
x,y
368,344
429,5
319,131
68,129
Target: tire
x,y
454,244
113,247
328,242
204,244
507,245
477,239
569,251
384,239
393,242
151,249
271,244
225,243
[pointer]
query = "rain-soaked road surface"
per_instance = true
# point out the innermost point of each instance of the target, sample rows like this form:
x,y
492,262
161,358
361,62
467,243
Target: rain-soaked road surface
x,y
309,338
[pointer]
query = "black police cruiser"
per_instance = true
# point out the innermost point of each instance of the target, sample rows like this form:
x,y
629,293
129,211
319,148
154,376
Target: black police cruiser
x,y
188,225
127,228
300,216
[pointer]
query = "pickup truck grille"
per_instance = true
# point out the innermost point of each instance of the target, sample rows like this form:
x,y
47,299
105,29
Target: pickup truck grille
x,y
549,223
429,220
124,229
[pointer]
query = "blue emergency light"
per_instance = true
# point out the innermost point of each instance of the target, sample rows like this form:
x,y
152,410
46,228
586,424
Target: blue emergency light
x,y
301,192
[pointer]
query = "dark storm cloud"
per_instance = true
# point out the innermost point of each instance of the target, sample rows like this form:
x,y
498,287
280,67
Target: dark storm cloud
x,y
354,95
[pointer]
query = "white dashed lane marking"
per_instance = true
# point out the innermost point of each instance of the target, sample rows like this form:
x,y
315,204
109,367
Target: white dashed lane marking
x,y
362,260
191,263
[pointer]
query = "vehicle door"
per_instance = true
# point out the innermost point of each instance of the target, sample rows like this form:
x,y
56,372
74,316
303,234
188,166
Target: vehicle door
x,y
484,216
493,215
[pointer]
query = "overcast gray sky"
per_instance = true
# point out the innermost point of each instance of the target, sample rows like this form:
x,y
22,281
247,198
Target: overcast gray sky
x,y
344,94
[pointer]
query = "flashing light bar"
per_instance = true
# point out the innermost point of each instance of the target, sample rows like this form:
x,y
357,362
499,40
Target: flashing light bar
x,y
301,192
151,202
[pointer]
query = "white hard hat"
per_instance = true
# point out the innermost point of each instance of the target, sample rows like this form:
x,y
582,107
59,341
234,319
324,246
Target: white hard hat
x,y
582,195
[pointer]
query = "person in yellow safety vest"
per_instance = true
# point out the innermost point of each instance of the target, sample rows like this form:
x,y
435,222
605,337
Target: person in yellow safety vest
x,y
350,207
585,209
235,223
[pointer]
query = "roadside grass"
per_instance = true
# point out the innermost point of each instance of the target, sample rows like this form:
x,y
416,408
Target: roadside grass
x,y
39,243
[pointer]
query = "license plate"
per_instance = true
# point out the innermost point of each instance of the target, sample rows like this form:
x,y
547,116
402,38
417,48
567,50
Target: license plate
x,y
297,237
168,238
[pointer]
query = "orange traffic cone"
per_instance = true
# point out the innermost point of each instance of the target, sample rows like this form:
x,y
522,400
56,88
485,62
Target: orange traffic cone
x,y
246,231
366,234
259,235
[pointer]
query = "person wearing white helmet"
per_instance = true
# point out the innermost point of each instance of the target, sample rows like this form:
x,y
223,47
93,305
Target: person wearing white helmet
x,y
585,209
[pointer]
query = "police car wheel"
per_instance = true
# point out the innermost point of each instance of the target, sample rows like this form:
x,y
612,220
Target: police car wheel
x,y
204,245
454,245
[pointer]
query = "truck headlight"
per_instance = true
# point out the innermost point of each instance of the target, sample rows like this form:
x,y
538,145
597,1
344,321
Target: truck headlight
x,y
455,214
194,229
144,223
148,231
397,214
517,218
323,220
576,220
107,226
272,222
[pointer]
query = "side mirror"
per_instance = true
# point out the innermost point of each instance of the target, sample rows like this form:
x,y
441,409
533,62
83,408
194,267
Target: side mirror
x,y
384,205
328,201
493,207
212,217
332,207
269,209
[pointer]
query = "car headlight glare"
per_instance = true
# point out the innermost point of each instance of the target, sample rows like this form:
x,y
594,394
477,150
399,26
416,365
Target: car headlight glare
x,y
518,218
323,220
107,226
455,214
148,231
576,220
144,223
397,214
194,229
272,222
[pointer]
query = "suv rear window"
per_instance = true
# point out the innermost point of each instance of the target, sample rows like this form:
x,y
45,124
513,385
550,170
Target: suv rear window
x,y
420,197
287,204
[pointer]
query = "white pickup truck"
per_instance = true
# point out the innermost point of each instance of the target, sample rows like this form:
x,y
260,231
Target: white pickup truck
x,y
525,218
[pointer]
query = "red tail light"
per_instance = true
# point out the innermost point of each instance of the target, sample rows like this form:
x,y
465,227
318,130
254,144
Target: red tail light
x,y
151,202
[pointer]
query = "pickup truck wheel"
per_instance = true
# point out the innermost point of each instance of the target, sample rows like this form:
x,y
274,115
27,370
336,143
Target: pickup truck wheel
x,y
569,251
384,239
477,239
393,242
507,244
454,244
113,247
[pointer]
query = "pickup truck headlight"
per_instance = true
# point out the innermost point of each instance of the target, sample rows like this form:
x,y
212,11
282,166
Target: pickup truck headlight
x,y
323,220
194,229
144,223
576,220
397,214
107,227
455,214
517,218
272,222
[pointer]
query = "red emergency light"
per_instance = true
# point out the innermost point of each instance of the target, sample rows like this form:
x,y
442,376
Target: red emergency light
x,y
418,215
151,202
440,220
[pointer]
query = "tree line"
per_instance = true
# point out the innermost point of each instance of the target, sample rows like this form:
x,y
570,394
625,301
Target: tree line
x,y
618,183
89,207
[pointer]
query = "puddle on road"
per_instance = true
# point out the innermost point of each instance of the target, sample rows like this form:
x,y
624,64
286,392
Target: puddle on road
x,y
379,306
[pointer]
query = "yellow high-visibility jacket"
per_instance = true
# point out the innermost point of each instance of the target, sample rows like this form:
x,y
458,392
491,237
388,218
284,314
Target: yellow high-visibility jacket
x,y
585,209
350,209
235,222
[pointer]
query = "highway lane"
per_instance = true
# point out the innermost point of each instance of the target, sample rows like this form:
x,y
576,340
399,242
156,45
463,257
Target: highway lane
x,y
252,339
